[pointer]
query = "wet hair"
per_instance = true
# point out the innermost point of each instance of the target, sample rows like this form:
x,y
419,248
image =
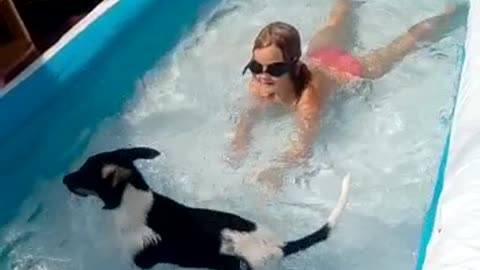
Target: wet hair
x,y
287,39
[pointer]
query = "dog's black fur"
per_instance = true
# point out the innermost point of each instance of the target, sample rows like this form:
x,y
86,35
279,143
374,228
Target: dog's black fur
x,y
189,237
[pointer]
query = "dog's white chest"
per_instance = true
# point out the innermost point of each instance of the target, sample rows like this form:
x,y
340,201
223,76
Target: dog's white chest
x,y
130,219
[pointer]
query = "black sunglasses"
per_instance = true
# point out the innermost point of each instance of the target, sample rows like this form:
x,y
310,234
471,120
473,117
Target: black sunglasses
x,y
275,69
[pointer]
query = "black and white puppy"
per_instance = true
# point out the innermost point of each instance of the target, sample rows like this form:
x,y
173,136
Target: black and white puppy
x,y
158,229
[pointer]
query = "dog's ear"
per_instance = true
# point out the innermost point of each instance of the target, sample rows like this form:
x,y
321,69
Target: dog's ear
x,y
115,174
135,153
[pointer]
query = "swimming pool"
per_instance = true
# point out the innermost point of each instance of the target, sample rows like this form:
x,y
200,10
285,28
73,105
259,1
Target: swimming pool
x,y
162,83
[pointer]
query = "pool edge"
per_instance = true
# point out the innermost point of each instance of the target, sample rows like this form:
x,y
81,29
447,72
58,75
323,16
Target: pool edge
x,y
433,207
45,79
72,33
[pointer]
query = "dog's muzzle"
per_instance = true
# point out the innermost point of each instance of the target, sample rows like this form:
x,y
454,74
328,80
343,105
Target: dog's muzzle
x,y
70,182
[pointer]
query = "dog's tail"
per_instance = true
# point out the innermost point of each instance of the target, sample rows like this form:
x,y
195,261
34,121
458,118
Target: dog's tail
x,y
322,234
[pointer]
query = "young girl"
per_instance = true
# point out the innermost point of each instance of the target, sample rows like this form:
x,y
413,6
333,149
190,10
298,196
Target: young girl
x,y
280,76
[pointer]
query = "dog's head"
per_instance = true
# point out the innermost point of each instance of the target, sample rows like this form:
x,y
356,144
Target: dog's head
x,y
106,174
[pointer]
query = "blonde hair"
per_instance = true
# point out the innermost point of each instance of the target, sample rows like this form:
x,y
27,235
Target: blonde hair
x,y
282,35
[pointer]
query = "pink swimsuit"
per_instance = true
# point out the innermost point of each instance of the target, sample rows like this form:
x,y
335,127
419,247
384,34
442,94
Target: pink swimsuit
x,y
338,59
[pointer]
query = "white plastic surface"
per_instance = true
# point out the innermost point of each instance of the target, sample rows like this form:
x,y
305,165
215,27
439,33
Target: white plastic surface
x,y
455,240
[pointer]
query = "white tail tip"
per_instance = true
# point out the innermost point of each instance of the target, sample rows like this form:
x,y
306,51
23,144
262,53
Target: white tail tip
x,y
342,201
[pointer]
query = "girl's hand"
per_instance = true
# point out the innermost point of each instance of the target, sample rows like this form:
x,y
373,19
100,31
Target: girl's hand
x,y
272,178
237,152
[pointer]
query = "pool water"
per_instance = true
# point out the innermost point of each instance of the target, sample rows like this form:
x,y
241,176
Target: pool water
x,y
388,136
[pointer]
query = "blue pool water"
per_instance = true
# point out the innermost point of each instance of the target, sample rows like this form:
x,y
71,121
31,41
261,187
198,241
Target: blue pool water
x,y
168,79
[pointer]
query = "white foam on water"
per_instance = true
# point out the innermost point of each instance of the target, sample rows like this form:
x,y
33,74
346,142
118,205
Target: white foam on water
x,y
390,141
